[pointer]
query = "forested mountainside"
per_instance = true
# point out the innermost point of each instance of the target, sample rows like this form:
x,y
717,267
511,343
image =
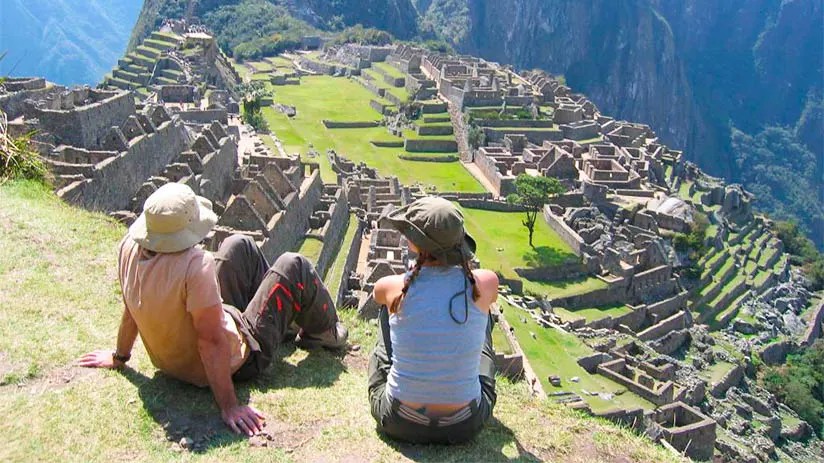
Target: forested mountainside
x,y
738,85
755,68
66,41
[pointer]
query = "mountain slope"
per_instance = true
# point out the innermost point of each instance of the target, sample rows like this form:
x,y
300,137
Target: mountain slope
x,y
67,41
756,71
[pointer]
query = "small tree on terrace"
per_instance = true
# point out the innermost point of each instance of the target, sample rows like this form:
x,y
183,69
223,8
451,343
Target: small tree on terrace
x,y
252,94
533,193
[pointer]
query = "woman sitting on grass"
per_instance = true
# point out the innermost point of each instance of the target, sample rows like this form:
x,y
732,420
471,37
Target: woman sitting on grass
x,y
432,374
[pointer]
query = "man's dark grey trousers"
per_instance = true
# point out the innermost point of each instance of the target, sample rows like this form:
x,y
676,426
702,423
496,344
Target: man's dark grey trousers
x,y
264,301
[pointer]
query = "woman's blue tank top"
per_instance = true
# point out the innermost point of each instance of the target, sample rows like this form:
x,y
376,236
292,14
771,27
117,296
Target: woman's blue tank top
x,y
436,360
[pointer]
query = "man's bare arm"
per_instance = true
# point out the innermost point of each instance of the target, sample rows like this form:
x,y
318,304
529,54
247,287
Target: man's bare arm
x,y
214,353
126,336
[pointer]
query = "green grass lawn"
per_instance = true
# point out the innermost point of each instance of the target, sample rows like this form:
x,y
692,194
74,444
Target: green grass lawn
x,y
503,246
594,313
344,100
553,352
389,69
311,248
261,66
335,271
715,373
684,191
400,92
413,135
59,293
281,62
240,68
500,341
565,288
504,242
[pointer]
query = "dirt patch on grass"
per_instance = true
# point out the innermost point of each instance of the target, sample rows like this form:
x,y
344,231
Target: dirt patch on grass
x,y
356,359
199,430
287,436
63,376
6,367
53,380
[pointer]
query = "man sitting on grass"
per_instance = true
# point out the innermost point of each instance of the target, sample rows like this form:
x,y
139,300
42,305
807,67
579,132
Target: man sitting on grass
x,y
208,319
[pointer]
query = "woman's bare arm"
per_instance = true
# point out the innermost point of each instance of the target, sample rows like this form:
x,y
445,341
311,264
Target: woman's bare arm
x,y
487,283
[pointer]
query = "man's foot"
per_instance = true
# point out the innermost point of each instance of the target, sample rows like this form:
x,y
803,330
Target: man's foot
x,y
333,338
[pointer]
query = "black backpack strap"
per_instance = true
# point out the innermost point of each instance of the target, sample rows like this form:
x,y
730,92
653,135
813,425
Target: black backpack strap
x,y
383,315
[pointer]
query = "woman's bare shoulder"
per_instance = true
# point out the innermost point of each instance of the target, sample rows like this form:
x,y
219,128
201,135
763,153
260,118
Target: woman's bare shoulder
x,y
487,282
387,287
486,278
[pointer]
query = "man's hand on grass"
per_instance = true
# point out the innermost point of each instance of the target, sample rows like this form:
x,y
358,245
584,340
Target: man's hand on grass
x,y
243,419
99,359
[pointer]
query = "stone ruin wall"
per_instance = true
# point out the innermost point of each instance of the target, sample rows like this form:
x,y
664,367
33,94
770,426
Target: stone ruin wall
x,y
291,223
112,182
19,90
83,126
814,328
351,263
206,167
567,234
336,207
685,428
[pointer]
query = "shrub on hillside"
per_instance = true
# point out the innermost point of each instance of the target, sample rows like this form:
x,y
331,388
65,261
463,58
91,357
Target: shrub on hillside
x,y
533,192
272,45
781,171
362,35
476,136
803,252
800,384
693,242
17,157
252,113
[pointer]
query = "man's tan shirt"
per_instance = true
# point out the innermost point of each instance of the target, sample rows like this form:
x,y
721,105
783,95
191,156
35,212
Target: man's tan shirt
x,y
160,291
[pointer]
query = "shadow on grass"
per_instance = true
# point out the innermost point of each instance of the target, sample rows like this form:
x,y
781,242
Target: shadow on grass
x,y
321,368
545,256
184,410
564,284
487,446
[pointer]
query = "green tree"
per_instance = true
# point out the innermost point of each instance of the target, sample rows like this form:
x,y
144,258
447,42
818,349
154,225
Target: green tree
x,y
533,193
252,96
802,251
476,137
800,384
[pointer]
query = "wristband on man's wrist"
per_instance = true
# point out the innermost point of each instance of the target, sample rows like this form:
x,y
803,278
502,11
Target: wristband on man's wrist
x,y
121,358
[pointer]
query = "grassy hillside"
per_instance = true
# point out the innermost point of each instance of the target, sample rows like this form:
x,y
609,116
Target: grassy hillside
x,y
60,298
